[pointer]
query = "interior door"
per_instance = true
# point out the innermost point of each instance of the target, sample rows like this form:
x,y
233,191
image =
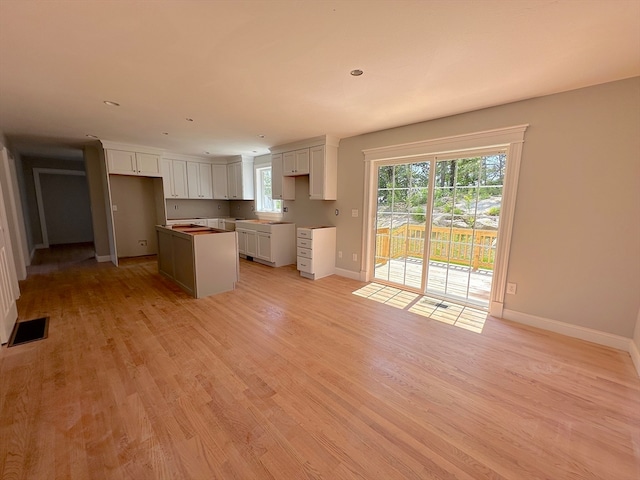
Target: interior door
x,y
9,289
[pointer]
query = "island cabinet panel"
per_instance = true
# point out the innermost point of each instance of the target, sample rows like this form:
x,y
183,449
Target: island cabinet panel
x,y
203,261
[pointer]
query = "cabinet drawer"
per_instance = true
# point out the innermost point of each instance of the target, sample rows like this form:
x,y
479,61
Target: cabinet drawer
x,y
304,243
305,264
305,252
305,233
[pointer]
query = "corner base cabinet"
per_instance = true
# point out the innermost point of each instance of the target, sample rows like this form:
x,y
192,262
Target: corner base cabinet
x,y
201,260
316,249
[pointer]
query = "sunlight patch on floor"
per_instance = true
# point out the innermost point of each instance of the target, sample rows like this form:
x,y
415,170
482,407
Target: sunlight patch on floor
x,y
460,316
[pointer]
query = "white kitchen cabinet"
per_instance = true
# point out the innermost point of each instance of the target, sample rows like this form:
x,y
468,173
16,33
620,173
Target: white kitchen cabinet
x,y
282,188
121,162
296,162
263,249
316,251
174,178
275,241
323,174
199,181
247,242
240,179
220,182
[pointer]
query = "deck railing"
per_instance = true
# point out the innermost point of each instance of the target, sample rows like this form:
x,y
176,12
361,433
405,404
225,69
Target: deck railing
x,y
462,246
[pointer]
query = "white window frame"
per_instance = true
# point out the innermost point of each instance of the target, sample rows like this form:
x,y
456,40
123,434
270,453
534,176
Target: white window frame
x,y
510,138
264,214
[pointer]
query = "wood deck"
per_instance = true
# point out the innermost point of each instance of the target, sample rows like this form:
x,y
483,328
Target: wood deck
x,y
410,274
286,378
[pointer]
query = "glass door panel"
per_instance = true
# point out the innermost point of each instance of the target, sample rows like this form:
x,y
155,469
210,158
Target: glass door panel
x,y
400,223
464,223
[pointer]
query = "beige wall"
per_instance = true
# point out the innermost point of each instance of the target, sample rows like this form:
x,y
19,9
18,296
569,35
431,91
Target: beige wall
x,y
186,208
574,252
136,215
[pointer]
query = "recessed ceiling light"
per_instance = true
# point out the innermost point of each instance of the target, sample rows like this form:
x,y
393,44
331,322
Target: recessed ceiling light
x,y
165,133
189,119
254,151
208,153
356,72
91,136
261,136
111,104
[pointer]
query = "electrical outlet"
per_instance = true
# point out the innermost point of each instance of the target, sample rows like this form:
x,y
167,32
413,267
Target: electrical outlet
x,y
355,257
114,208
219,207
285,209
512,288
354,212
340,254
142,243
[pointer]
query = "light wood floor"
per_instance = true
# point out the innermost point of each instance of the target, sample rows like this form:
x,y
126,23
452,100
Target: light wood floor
x,y
286,378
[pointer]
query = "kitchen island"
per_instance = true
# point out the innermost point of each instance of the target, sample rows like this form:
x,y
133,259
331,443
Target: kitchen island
x,y
203,261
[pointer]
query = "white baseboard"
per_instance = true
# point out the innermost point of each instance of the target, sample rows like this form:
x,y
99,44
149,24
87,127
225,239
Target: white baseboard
x,y
575,331
350,274
103,258
635,355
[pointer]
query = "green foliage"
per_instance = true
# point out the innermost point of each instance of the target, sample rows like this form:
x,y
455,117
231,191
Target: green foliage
x,y
493,211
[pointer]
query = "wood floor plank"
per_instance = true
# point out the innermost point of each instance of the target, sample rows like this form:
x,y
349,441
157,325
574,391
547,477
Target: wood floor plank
x,y
286,378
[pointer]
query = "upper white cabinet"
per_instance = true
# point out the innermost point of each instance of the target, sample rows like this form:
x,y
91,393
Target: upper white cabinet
x,y
316,157
199,180
240,178
123,162
296,162
174,178
282,188
220,182
323,176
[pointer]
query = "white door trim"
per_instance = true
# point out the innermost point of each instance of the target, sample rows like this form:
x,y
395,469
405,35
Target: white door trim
x,y
36,181
510,138
9,288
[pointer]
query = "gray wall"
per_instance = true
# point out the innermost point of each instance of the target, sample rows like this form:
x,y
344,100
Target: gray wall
x,y
574,252
65,199
28,164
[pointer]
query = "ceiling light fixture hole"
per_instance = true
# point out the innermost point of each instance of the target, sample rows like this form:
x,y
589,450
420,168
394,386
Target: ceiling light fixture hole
x,y
356,73
111,104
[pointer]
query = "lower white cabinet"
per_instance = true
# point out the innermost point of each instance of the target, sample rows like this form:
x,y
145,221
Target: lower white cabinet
x,y
247,242
263,251
273,242
316,251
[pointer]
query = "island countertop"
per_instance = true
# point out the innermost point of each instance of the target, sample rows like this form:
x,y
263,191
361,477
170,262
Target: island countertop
x,y
203,261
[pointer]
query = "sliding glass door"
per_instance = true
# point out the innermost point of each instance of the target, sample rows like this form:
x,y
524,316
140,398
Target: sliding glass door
x,y
437,225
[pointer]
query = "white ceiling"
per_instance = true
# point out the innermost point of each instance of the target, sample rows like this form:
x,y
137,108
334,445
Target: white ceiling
x,y
241,69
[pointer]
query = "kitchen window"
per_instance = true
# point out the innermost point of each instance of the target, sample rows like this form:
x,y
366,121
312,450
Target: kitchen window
x,y
264,202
